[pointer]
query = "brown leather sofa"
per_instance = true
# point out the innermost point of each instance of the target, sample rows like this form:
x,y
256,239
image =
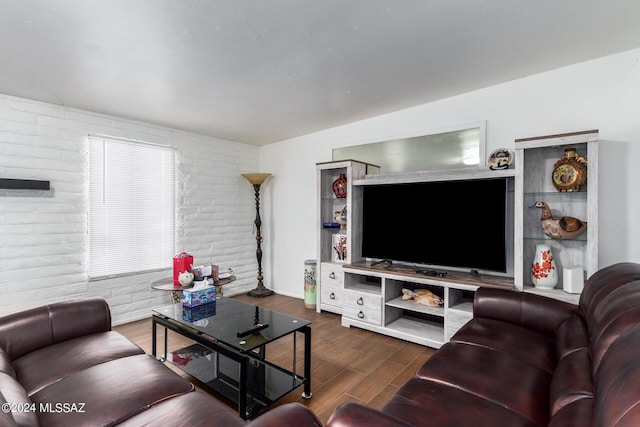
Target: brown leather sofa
x,y
526,360
62,365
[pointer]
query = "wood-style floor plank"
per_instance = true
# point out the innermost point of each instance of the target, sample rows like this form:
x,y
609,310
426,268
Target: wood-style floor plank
x,y
348,364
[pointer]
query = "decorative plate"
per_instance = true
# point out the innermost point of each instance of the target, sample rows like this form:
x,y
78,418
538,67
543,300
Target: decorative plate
x,y
500,159
569,173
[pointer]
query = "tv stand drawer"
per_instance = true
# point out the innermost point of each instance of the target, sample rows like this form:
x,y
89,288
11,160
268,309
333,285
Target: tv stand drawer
x,y
363,307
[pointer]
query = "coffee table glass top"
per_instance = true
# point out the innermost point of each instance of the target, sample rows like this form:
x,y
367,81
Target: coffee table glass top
x,y
226,319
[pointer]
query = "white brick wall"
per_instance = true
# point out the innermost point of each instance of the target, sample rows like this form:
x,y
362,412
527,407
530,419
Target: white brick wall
x,y
43,235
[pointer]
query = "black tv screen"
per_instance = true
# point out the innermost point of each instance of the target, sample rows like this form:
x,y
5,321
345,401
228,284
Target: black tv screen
x,y
460,224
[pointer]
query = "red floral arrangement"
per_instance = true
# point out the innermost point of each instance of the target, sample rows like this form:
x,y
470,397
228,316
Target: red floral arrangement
x,y
542,270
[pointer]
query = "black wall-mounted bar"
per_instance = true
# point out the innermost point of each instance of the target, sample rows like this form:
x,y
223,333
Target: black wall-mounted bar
x,y
24,184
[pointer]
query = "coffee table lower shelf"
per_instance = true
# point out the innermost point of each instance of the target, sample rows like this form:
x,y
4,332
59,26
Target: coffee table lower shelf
x,y
266,382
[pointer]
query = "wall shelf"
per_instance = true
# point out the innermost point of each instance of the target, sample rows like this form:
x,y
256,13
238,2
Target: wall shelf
x,y
24,184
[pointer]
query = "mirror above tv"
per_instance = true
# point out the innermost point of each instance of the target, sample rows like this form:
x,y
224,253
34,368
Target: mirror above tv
x,y
455,147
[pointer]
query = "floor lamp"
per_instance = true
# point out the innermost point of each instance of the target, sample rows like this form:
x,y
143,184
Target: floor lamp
x,y
257,179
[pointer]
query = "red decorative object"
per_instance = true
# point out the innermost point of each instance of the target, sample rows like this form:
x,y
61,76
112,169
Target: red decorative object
x,y
181,262
340,186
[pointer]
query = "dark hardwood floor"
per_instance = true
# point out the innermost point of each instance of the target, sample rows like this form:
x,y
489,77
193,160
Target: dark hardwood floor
x,y
348,364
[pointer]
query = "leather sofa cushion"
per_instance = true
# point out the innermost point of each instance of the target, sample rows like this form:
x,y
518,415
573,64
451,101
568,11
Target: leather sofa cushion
x,y
198,409
47,365
571,381
603,281
617,312
572,335
5,364
171,412
616,383
24,332
12,392
113,391
425,402
524,344
352,414
70,320
523,309
30,330
492,375
577,413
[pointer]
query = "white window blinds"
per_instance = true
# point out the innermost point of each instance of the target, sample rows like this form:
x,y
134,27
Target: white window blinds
x,y
131,207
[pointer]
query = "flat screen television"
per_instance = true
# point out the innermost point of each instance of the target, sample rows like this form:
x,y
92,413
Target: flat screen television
x,y
461,224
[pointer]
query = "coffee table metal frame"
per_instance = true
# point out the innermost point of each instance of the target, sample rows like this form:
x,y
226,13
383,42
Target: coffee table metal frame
x,y
245,360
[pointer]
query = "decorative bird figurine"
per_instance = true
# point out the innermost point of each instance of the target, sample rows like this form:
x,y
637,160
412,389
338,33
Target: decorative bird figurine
x,y
563,228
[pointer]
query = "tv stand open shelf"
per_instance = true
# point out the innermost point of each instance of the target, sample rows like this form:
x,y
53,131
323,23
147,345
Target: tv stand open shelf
x,y
373,301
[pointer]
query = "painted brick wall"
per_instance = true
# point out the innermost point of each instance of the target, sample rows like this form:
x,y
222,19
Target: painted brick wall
x,y
43,235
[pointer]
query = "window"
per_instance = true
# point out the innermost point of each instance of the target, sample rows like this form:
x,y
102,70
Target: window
x,y
131,207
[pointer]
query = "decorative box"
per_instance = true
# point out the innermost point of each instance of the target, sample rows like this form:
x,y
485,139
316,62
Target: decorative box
x,y
193,314
193,298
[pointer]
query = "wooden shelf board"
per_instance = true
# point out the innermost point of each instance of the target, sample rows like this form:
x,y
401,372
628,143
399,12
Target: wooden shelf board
x,y
466,307
414,306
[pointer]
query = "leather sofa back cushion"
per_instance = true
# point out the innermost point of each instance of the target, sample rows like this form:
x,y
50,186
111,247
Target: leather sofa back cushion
x,y
5,364
603,282
70,320
616,383
24,332
617,312
577,413
571,336
571,381
30,330
11,392
530,311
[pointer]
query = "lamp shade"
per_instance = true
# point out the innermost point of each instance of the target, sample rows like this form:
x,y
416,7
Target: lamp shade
x,y
256,178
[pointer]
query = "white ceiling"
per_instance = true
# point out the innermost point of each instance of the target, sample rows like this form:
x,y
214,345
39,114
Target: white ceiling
x,y
261,71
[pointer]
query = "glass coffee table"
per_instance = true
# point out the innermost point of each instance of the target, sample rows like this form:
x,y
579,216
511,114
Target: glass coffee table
x,y
229,350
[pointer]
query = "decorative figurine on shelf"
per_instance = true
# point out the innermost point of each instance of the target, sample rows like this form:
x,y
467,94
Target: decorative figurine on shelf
x,y
341,217
563,228
570,172
340,186
422,296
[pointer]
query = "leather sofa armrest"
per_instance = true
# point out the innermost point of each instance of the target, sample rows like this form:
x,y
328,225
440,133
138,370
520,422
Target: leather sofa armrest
x,y
32,329
352,414
289,414
524,309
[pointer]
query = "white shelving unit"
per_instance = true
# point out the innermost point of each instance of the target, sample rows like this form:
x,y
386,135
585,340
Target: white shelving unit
x,y
328,269
535,159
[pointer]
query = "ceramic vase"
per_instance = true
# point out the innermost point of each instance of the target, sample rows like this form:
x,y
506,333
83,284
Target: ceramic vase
x,y
544,272
310,283
339,186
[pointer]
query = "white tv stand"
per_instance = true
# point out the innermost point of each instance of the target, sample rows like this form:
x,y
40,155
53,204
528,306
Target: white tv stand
x,y
372,300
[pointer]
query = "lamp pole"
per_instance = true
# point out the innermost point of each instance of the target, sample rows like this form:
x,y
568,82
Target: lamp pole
x,y
257,179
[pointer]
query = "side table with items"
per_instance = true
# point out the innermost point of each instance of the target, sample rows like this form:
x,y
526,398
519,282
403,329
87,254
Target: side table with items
x,y
176,290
